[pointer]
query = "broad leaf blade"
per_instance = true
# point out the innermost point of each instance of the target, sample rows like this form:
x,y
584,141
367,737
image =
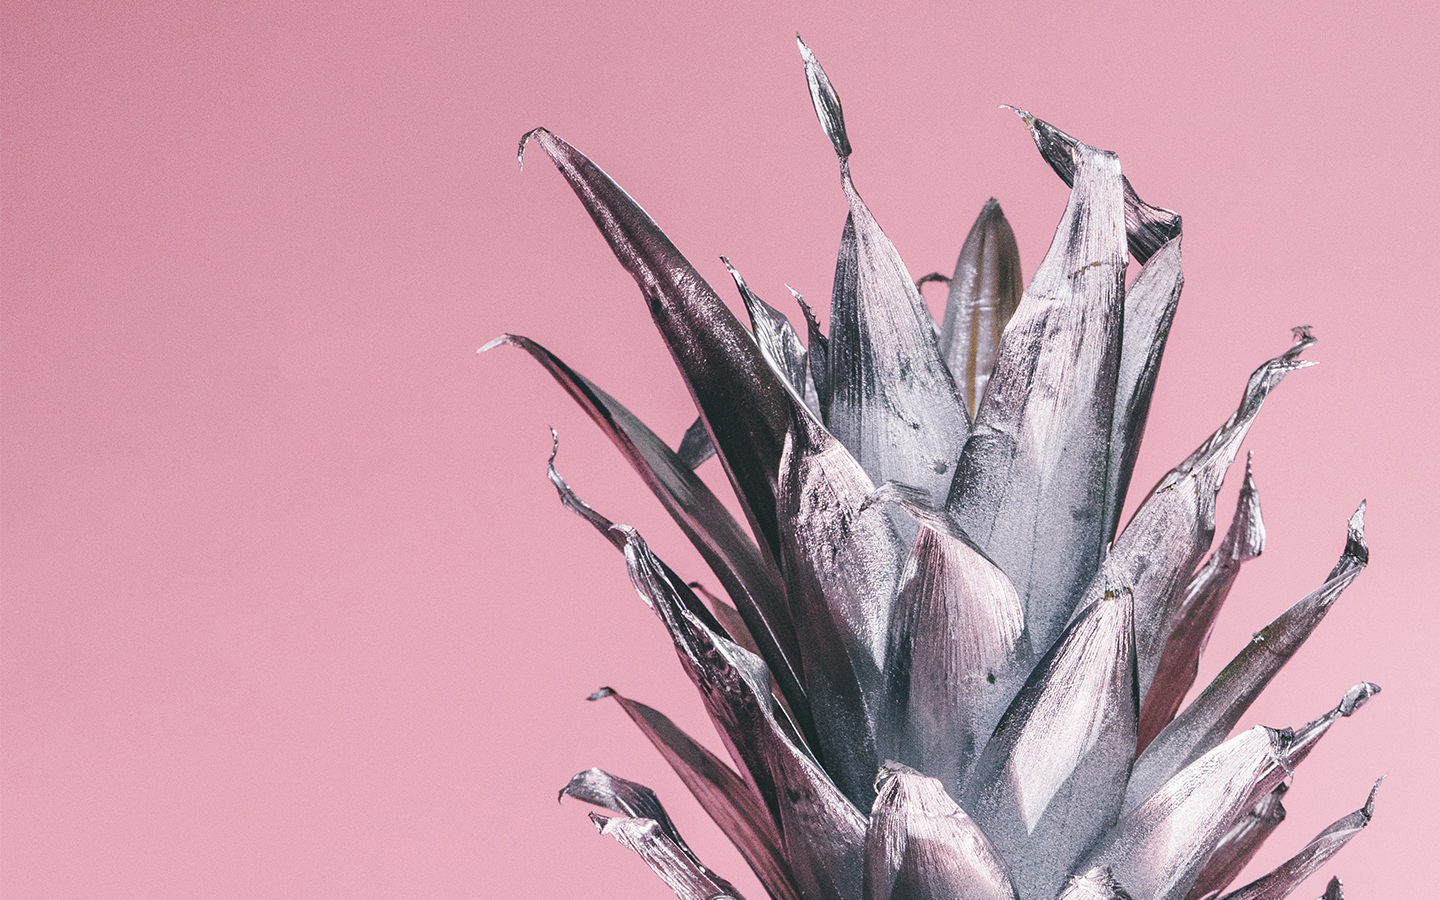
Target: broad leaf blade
x,y
745,407
1051,779
1195,616
1287,876
1205,722
892,400
724,795
676,867
1030,487
695,445
954,631
1150,303
1158,849
984,292
841,563
921,846
1148,228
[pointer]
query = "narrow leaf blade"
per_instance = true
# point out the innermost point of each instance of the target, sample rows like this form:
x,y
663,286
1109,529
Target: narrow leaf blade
x,y
984,293
680,871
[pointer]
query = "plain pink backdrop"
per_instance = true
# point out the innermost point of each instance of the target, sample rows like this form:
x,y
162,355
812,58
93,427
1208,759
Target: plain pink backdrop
x,y
289,607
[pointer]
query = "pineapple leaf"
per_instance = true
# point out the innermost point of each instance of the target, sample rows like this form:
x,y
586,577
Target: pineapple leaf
x,y
893,403
629,798
1148,228
1160,547
984,292
1207,720
1030,487
1051,779
1287,876
1199,606
695,445
822,832
725,797
920,845
1096,884
818,355
1240,845
1159,848
1150,303
745,407
841,566
954,628
778,342
676,867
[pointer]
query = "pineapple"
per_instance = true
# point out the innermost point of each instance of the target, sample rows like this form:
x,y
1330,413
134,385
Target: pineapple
x,y
942,668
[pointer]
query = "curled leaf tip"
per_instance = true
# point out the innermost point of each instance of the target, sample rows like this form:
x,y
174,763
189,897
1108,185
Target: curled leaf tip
x,y
496,342
525,139
1357,696
601,693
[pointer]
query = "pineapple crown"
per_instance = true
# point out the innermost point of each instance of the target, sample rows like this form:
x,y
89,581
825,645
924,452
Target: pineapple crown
x,y
942,668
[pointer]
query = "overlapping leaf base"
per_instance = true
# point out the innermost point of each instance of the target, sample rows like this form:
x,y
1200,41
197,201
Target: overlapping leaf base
x,y
943,670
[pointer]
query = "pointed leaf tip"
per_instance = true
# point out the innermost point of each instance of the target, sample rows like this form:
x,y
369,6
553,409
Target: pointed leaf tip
x,y
495,342
525,139
601,693
826,101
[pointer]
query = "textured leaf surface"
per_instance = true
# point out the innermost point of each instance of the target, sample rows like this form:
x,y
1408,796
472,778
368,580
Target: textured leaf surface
x,y
1150,303
1195,617
1160,547
629,798
921,846
745,407
821,830
892,400
984,293
1240,845
1287,876
1051,780
1158,849
1030,488
1096,884
685,876
841,564
724,795
1206,721
954,630
776,338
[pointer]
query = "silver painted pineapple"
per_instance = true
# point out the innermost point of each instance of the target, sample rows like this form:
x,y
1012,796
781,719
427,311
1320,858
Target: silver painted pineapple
x,y
943,670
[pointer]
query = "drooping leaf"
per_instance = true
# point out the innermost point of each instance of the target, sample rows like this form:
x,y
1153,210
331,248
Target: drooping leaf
x,y
695,446
892,400
1051,779
1159,848
1240,845
748,578
746,409
841,563
984,292
1287,876
821,830
1096,884
730,801
776,338
1195,616
1150,303
921,846
1030,487
1160,547
676,867
1205,722
953,631
1147,227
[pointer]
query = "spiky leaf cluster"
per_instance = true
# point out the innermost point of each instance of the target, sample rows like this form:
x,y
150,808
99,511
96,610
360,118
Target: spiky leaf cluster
x,y
943,670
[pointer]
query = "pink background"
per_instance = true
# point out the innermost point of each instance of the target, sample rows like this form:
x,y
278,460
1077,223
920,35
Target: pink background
x,y
289,607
